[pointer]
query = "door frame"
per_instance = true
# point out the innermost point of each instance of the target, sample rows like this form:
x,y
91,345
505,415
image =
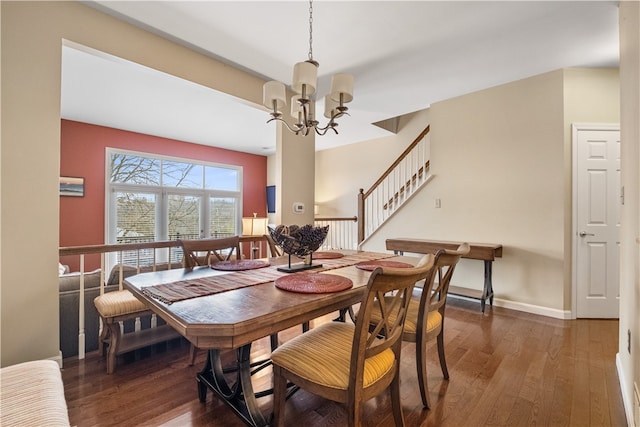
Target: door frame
x,y
575,128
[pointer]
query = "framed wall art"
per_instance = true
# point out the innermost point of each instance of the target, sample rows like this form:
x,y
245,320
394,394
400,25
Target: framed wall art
x,y
71,186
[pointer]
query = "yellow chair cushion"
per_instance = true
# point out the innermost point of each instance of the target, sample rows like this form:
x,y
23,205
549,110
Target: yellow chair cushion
x,y
323,356
118,303
434,318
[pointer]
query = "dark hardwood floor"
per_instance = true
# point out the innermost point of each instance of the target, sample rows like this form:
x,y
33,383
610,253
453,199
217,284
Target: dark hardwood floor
x,y
507,368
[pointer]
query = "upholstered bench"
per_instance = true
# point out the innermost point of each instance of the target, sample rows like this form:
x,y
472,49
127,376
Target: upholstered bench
x,y
32,394
119,306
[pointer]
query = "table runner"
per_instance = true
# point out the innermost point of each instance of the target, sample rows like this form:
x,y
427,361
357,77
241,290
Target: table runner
x,y
193,288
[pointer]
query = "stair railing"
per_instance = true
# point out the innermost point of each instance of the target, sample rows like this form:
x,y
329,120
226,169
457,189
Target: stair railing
x,y
394,187
343,232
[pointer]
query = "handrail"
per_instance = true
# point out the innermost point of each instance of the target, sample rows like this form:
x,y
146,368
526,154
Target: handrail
x,y
397,162
124,247
379,202
342,232
98,249
337,218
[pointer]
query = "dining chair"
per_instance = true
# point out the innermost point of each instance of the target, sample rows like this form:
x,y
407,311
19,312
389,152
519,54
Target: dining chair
x,y
206,252
274,249
346,362
425,318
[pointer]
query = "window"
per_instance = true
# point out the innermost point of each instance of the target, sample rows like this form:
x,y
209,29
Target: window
x,y
155,198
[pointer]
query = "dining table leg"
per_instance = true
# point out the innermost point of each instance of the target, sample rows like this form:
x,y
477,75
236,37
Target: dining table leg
x,y
238,393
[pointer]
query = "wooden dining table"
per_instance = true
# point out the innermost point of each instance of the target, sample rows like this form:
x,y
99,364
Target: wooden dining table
x,y
235,318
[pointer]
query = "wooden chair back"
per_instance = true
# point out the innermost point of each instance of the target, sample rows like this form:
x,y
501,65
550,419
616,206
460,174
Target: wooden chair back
x,y
445,265
207,251
274,249
389,291
362,364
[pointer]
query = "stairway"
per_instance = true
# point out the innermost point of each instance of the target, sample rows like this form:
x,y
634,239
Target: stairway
x,y
398,184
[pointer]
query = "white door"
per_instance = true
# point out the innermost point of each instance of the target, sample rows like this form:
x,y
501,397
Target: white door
x,y
596,220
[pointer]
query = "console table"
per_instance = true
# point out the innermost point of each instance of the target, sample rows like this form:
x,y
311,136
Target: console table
x,y
486,252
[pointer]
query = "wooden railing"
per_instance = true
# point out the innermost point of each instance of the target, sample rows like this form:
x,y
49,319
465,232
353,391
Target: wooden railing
x,y
394,187
343,232
147,257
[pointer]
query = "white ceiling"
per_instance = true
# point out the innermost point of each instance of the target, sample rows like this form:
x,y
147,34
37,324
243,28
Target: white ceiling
x,y
405,55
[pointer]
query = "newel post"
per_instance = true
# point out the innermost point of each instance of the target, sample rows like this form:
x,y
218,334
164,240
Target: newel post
x,y
360,216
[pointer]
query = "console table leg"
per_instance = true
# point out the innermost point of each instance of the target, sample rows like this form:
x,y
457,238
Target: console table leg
x,y
487,293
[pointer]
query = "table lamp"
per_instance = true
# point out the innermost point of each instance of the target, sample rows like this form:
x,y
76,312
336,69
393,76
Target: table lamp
x,y
254,226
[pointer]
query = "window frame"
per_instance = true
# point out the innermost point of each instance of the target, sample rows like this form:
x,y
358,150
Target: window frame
x,y
162,194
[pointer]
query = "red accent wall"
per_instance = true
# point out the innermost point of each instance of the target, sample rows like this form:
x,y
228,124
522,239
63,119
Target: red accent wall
x,y
82,154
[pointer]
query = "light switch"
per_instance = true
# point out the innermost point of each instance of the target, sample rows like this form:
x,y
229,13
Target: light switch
x,y
437,203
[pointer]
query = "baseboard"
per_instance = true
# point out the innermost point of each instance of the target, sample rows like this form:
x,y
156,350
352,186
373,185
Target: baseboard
x,y
57,359
521,306
628,405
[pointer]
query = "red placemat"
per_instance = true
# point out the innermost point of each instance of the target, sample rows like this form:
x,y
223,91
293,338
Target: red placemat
x,y
327,255
240,265
372,265
313,283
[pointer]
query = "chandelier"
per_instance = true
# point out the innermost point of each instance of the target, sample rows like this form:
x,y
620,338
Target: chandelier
x,y
304,83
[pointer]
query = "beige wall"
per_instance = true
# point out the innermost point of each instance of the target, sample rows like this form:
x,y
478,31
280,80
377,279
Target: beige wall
x,y
32,36
295,166
341,172
498,158
502,164
590,96
629,363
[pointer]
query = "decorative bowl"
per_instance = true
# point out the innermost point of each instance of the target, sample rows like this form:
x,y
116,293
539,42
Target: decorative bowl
x,y
299,241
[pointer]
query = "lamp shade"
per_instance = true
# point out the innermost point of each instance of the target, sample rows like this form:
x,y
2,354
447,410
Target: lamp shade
x,y
273,91
296,108
330,107
254,226
342,84
305,73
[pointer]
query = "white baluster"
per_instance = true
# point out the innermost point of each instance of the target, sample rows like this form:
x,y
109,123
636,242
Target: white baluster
x,y
81,331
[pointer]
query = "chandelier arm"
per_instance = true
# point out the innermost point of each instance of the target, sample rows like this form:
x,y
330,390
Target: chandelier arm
x,y
332,121
285,123
322,131
305,114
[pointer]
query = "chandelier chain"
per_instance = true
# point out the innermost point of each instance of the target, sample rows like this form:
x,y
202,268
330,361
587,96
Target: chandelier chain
x,y
311,30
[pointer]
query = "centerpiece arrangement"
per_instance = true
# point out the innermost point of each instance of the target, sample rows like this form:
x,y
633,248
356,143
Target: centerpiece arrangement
x,y
300,242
